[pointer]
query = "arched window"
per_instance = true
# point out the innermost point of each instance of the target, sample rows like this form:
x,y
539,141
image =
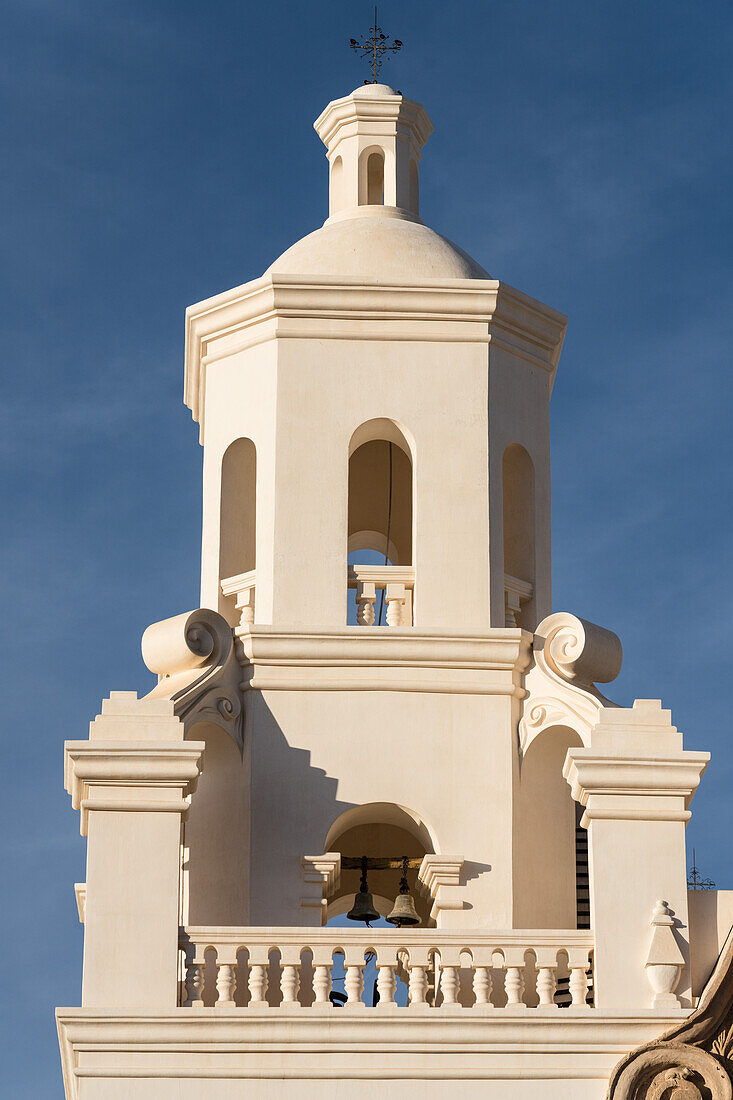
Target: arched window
x,y
336,185
375,179
380,524
237,517
519,537
414,188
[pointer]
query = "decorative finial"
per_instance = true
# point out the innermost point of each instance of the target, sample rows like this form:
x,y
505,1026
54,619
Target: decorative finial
x,y
375,47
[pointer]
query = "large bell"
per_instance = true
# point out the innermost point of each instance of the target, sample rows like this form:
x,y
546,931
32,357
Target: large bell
x,y
403,911
363,908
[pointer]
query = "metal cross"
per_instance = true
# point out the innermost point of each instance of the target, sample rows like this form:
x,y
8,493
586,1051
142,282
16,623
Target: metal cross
x,y
375,47
695,881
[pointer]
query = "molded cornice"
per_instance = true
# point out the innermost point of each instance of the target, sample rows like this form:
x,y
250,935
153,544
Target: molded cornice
x,y
361,658
301,307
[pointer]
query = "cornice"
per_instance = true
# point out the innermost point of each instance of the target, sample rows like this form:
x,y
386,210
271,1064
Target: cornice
x,y
377,659
280,306
129,776
614,787
360,113
278,1044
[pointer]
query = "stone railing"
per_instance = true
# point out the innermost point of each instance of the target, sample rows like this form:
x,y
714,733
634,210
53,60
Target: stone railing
x,y
243,587
429,969
398,584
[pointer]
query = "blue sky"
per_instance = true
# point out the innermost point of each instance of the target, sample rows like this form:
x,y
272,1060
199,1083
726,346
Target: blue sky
x,y
155,153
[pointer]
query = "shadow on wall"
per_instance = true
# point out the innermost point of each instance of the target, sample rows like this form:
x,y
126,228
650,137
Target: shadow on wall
x,y
252,819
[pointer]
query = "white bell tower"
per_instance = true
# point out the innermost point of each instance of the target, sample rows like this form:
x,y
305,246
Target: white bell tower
x,y
375,682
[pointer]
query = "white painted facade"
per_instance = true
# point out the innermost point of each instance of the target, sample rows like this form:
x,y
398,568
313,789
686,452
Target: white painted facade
x,y
376,391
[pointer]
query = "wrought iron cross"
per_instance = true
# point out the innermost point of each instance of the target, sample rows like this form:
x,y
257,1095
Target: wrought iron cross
x,y
695,881
375,47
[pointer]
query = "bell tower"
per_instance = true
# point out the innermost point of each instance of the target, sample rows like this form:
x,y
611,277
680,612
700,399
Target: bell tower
x,y
376,714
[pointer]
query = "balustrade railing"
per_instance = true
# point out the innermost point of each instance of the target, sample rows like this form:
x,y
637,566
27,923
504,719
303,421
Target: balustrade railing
x,y
397,582
243,588
433,970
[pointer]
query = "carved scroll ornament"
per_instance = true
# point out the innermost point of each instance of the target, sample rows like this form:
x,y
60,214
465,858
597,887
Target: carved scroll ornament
x,y
694,1059
571,655
194,658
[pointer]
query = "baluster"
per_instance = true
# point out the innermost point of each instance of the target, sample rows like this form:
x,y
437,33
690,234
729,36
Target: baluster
x,y
482,985
545,968
366,595
449,985
514,985
257,984
385,984
322,984
226,983
354,985
395,596
578,985
418,986
289,984
194,985
546,984
245,604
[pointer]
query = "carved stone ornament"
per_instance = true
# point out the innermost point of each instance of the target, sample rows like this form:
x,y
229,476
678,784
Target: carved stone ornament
x,y
570,656
694,1059
194,658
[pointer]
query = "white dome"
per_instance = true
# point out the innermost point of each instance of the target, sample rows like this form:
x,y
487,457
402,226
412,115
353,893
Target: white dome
x,y
381,246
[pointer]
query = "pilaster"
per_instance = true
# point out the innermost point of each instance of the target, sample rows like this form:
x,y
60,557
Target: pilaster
x,y
131,782
636,783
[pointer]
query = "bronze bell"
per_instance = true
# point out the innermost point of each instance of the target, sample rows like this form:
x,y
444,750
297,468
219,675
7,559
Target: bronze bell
x,y
363,908
403,911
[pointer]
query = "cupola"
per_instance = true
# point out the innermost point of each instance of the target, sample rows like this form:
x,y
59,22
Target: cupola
x,y
374,139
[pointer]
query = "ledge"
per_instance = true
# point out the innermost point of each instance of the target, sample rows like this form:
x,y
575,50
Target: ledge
x,y
392,1045
362,658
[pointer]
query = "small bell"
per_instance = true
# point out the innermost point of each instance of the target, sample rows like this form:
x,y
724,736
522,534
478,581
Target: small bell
x,y
404,912
363,908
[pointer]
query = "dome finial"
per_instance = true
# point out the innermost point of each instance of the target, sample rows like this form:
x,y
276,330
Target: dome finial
x,y
375,47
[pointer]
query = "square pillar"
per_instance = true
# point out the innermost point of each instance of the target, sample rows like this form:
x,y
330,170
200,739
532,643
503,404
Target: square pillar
x,y
636,783
131,781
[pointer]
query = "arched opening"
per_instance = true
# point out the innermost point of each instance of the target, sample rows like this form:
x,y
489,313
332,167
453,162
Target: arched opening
x,y
519,535
336,195
237,517
380,831
384,832
375,179
547,875
380,519
414,188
